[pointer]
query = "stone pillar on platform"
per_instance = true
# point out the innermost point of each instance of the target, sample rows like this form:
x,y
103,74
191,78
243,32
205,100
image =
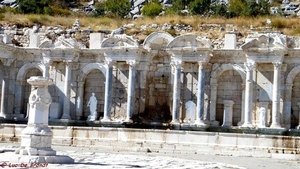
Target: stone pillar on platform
x,y
36,139
108,90
228,111
200,95
276,96
248,94
130,90
176,64
67,88
4,112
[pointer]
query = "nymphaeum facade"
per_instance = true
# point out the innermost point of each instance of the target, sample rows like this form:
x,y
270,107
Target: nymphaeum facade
x,y
254,85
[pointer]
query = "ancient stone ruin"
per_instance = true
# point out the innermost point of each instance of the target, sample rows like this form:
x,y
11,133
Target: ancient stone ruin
x,y
253,85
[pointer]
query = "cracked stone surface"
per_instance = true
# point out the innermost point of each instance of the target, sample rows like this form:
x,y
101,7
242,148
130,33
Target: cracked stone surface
x,y
104,158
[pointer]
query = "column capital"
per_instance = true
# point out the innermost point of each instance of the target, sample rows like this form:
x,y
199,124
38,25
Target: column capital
x,y
46,61
214,86
298,104
249,66
277,65
131,62
7,62
108,62
202,64
228,103
177,64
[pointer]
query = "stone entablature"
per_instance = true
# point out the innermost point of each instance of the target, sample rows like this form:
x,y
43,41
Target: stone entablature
x,y
151,82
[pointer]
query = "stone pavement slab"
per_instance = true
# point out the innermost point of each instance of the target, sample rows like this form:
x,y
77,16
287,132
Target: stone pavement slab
x,y
93,157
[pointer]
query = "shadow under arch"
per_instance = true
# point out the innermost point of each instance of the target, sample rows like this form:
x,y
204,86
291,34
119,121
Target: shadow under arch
x,y
23,89
215,74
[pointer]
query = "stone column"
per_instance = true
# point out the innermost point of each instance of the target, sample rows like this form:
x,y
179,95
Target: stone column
x,y
298,127
67,87
5,88
213,104
176,64
248,95
276,96
130,90
228,110
46,62
200,94
79,104
243,106
108,88
263,110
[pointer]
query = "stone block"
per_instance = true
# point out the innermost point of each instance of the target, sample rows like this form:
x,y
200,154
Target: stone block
x,y
55,110
96,40
34,40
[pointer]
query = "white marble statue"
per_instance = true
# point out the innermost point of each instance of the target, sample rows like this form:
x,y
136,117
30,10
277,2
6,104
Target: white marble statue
x,y
93,108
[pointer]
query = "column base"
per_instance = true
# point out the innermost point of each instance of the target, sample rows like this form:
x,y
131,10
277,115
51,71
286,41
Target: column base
x,y
200,123
128,121
240,123
227,125
247,125
105,120
275,125
175,122
65,116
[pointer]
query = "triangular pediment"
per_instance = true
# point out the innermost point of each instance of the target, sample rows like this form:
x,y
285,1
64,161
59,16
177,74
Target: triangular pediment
x,y
265,42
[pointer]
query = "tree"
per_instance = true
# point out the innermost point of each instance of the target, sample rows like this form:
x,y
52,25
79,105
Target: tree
x,y
236,7
199,7
120,8
152,8
32,6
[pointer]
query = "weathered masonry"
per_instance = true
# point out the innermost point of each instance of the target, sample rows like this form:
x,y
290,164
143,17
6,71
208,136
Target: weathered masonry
x,y
177,80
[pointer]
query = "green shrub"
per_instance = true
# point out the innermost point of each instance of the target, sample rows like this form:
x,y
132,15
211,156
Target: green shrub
x,y
99,10
60,11
199,7
152,8
32,6
119,8
2,16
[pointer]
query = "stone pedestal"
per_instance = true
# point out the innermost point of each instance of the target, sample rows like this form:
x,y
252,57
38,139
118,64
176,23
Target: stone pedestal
x,y
37,137
263,109
228,110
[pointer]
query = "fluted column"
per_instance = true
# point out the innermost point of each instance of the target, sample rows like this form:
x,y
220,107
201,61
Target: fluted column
x,y
176,64
248,94
108,88
130,90
276,96
5,88
79,104
200,94
67,87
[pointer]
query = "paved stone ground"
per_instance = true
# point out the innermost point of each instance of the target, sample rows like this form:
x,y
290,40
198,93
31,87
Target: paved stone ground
x,y
104,158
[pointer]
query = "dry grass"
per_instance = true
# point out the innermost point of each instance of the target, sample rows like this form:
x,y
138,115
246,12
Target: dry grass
x,y
289,26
